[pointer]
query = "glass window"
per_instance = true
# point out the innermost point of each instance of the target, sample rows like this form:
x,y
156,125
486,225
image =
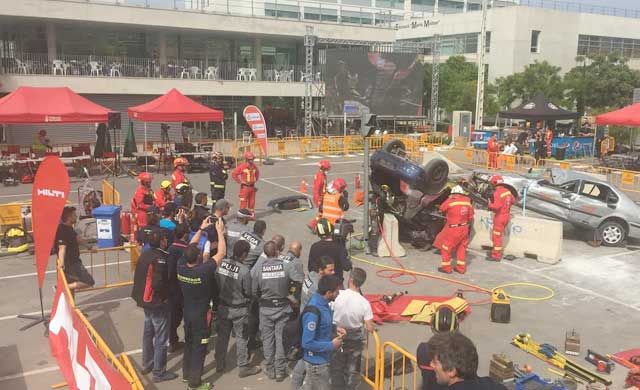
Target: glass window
x,y
487,47
571,186
596,45
535,41
396,4
281,10
357,17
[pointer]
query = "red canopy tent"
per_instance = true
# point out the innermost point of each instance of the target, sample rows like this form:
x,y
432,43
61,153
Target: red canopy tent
x,y
174,107
627,116
49,105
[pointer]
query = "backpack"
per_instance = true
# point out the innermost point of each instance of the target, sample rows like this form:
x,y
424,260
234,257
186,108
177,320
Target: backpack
x,y
293,330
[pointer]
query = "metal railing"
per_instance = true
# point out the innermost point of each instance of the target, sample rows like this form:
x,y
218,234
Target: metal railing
x,y
313,11
399,373
581,8
120,66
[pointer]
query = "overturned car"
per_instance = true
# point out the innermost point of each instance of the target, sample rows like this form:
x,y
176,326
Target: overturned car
x,y
410,192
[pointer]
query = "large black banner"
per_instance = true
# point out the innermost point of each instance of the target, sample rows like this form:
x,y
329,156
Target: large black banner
x,y
358,82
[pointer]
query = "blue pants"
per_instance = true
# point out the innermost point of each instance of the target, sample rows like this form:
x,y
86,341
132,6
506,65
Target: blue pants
x,y
155,338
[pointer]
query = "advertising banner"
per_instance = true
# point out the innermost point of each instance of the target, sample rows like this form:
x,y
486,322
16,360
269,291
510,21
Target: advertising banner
x,y
256,122
49,195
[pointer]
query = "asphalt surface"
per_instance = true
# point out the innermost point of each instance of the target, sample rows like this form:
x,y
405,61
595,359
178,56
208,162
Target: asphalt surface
x,y
595,293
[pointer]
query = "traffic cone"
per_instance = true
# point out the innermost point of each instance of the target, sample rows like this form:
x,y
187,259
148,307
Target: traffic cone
x,y
303,186
358,195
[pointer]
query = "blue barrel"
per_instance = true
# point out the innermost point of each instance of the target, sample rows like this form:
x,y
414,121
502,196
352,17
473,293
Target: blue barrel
x,y
107,225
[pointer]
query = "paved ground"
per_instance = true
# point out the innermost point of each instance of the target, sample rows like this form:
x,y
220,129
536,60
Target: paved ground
x,y
596,294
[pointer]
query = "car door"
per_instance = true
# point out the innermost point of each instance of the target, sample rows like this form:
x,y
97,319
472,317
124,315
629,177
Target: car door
x,y
552,200
592,203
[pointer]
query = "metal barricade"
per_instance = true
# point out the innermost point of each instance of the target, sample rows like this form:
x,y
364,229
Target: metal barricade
x,y
106,253
110,195
406,374
367,357
624,180
121,363
515,163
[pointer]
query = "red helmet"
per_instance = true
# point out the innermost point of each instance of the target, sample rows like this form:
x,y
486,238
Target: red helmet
x,y
248,155
325,165
145,177
496,179
180,161
339,184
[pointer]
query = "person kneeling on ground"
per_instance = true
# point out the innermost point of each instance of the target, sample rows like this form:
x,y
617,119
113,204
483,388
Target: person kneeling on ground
x,y
68,248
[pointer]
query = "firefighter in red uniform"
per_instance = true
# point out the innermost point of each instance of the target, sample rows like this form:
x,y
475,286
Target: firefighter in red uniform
x,y
179,168
319,189
144,199
500,204
247,174
493,148
163,194
455,234
548,139
335,201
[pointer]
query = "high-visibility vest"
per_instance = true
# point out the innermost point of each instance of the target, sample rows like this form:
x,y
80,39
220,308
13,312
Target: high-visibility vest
x,y
331,209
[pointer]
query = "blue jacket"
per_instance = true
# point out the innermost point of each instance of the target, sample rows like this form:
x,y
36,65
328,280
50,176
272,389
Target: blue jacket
x,y
316,338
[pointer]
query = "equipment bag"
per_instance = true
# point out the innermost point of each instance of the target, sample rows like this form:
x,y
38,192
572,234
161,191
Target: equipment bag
x,y
293,330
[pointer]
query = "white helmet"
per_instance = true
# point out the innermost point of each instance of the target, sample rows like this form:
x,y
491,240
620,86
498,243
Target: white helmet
x,y
457,190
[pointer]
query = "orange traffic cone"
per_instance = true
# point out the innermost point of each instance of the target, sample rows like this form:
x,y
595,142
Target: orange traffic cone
x,y
303,186
358,195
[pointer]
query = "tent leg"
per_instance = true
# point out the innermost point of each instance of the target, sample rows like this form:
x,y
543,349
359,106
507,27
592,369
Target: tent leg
x,y
146,159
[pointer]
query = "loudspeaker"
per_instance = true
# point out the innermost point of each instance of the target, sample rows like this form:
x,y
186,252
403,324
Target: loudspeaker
x,y
114,120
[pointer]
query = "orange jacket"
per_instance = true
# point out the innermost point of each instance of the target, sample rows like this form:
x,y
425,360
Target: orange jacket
x,y
331,209
178,177
162,198
143,199
502,201
493,146
458,209
247,174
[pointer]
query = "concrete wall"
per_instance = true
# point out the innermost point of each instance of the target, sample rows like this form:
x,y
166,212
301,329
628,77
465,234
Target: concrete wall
x,y
190,20
123,85
511,35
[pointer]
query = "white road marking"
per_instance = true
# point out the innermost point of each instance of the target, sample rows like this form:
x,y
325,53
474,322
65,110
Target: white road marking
x,y
283,187
53,270
332,163
623,253
50,369
14,316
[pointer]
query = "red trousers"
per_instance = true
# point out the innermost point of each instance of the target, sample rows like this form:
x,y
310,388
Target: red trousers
x,y
450,240
247,197
141,218
493,160
500,222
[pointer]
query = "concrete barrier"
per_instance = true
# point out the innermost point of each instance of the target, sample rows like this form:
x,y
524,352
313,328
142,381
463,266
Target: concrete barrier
x,y
525,236
390,243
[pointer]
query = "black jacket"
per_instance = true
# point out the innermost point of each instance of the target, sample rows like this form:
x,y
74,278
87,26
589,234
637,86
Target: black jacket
x,y
151,280
217,174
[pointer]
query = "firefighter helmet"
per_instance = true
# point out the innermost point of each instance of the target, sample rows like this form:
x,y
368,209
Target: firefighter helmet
x,y
324,227
165,184
496,179
183,188
444,320
248,155
457,190
325,165
145,177
180,161
339,184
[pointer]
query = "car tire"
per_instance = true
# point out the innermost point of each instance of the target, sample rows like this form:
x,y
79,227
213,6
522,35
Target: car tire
x,y
436,174
612,233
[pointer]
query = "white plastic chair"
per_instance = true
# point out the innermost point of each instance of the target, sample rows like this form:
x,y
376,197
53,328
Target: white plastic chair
x,y
211,73
242,74
277,75
115,70
21,66
291,76
268,74
301,76
253,73
318,76
195,72
58,65
96,68
185,73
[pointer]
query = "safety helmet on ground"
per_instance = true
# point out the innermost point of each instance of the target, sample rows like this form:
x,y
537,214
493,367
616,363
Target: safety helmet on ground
x,y
339,184
180,161
145,177
325,164
183,188
457,190
324,227
496,179
165,184
249,156
444,320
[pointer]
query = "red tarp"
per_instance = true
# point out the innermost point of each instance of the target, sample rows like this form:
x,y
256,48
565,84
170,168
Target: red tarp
x,y
174,107
628,116
383,312
49,105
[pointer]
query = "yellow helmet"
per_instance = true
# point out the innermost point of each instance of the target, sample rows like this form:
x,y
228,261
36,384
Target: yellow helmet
x,y
165,184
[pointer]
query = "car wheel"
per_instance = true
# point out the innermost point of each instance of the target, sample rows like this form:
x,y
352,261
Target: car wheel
x,y
612,233
436,175
394,147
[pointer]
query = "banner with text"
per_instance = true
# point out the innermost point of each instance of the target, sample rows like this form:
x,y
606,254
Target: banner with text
x,y
255,120
49,195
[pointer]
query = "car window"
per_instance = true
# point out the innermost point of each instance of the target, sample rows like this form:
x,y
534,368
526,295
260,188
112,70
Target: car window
x,y
595,191
612,198
570,186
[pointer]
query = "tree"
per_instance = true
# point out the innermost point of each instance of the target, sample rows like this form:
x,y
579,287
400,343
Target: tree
x,y
458,85
537,77
599,83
